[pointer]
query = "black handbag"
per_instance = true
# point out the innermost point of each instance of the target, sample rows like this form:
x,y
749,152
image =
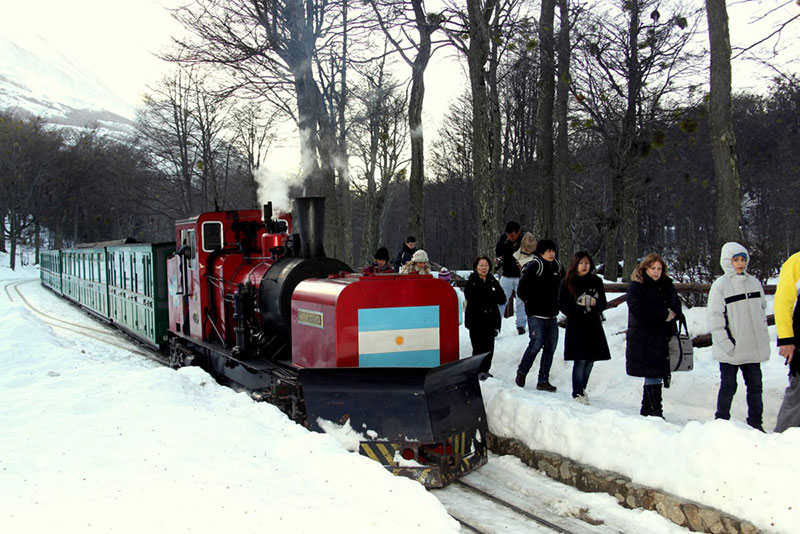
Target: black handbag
x,y
681,357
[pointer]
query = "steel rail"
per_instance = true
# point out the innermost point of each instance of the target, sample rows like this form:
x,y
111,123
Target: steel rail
x,y
488,496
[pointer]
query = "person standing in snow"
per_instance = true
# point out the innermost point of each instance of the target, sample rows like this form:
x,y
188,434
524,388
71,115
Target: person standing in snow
x,y
507,245
527,249
482,318
418,264
381,263
405,253
787,322
653,307
582,299
538,289
739,332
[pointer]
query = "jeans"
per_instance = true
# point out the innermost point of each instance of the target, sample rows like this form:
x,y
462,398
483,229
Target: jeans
x,y
751,372
581,369
543,333
509,284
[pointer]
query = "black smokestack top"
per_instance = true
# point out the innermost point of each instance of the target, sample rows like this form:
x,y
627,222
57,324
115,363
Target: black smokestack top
x,y
309,219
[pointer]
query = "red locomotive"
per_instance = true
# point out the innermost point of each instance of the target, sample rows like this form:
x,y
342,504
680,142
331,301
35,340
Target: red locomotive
x,y
255,301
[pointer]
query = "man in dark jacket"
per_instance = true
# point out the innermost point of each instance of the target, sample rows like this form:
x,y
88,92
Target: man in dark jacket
x,y
538,288
507,245
405,253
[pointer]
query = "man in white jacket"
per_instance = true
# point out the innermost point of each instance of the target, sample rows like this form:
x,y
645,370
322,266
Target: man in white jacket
x,y
739,332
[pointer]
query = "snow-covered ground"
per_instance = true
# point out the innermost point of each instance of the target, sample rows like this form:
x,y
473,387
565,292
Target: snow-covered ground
x,y
97,439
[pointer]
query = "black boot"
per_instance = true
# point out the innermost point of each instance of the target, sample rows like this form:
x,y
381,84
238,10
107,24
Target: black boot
x,y
652,396
647,409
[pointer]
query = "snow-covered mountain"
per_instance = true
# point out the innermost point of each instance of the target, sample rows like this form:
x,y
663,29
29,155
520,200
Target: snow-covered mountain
x,y
37,79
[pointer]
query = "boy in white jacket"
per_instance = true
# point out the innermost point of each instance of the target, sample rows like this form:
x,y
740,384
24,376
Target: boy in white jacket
x,y
739,332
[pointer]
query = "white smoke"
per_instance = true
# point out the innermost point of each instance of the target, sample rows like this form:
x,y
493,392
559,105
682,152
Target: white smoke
x,y
274,187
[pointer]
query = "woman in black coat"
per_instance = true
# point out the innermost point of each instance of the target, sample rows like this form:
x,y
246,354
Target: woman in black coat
x,y
582,299
653,307
482,318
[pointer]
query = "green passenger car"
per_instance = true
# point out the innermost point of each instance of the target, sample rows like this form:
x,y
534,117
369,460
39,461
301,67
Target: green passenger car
x,y
83,278
137,289
50,269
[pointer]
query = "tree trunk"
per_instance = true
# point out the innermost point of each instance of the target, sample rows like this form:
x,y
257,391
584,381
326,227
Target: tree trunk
x,y
628,150
720,126
12,238
544,123
343,191
3,230
416,195
483,183
564,211
37,242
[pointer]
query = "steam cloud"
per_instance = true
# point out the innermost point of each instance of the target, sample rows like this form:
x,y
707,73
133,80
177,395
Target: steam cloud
x,y
274,187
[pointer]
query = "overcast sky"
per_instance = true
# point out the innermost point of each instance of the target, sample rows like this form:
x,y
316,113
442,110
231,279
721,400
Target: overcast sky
x,y
118,40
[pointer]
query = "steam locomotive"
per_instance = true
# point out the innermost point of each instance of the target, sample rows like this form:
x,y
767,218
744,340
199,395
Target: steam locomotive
x,y
251,297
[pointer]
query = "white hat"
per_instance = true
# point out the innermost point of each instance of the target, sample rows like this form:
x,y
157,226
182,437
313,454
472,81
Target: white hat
x,y
420,256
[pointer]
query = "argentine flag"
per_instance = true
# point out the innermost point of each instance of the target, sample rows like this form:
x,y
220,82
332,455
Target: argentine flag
x,y
407,336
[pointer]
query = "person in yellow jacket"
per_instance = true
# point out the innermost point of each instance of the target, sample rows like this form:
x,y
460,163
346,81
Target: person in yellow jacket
x,y
787,322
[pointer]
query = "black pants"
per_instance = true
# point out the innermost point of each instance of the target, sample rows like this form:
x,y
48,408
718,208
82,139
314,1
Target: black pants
x,y
727,388
483,342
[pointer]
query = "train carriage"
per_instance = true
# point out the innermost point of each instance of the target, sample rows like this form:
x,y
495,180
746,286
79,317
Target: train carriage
x,y
50,269
83,278
137,290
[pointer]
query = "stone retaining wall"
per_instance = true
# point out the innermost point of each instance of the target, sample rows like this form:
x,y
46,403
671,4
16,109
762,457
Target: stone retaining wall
x,y
688,514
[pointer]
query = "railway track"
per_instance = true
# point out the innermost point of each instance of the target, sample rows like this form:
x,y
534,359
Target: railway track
x,y
489,501
105,334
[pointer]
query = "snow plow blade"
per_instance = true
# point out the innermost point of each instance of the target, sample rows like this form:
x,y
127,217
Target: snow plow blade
x,y
428,424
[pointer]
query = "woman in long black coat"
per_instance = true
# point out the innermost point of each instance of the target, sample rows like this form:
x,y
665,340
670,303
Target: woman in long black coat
x,y
482,318
653,307
582,299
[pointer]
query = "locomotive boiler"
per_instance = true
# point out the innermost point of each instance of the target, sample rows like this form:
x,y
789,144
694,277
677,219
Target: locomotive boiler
x,y
253,299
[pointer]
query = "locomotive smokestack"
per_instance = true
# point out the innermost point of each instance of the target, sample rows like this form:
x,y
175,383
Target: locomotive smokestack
x,y
309,219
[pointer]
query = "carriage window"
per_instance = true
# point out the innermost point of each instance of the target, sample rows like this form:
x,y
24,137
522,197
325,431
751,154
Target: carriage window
x,y
212,236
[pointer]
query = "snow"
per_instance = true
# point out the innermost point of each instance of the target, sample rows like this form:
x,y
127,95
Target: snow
x,y
96,438
724,464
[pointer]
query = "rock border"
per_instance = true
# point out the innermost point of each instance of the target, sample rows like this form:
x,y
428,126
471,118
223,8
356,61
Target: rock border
x,y
683,512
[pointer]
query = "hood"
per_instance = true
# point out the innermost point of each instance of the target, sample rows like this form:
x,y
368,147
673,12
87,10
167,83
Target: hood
x,y
727,253
528,245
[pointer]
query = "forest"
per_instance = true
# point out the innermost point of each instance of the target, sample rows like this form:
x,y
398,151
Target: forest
x,y
610,127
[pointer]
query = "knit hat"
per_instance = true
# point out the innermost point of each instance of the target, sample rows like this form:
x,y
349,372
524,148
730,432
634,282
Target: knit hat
x,y
382,254
545,244
742,254
444,274
420,256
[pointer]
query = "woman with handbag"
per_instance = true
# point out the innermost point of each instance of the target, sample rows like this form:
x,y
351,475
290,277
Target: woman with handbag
x,y
653,307
739,332
582,299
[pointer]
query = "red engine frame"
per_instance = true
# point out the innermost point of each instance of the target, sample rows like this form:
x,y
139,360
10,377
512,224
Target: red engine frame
x,y
206,269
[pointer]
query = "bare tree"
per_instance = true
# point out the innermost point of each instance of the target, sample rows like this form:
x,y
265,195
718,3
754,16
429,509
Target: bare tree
x,y
564,217
270,49
627,65
545,200
723,141
400,16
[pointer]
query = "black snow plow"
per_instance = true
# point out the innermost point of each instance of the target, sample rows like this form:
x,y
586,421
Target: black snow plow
x,y
428,424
